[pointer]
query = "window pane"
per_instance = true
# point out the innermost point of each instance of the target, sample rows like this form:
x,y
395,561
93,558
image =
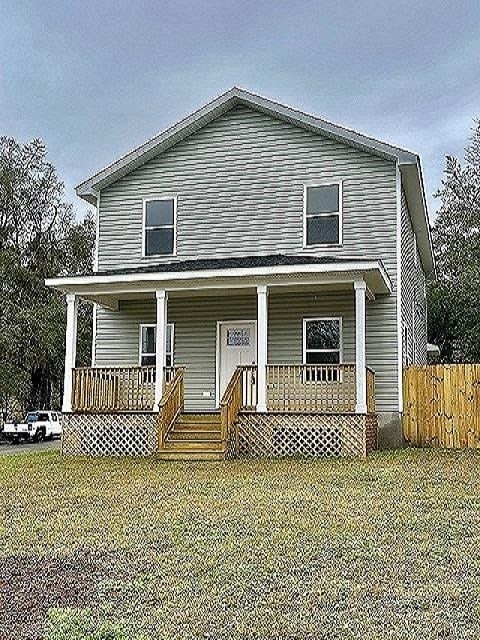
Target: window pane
x,y
148,340
169,360
169,346
159,213
238,337
323,199
323,334
159,242
323,230
322,357
148,361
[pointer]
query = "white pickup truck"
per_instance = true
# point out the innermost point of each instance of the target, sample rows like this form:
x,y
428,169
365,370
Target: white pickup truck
x,y
37,426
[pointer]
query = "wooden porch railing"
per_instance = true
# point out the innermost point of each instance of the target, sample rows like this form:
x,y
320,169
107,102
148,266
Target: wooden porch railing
x,y
326,388
170,406
370,390
230,406
249,386
115,388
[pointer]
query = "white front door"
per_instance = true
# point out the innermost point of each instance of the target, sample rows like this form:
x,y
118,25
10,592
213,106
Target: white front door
x,y
238,345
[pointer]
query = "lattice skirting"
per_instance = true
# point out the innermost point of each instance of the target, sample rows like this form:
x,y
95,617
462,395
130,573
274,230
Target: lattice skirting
x,y
315,435
109,434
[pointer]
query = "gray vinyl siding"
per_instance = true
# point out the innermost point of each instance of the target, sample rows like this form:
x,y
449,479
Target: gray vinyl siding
x,y
239,184
195,320
286,314
414,304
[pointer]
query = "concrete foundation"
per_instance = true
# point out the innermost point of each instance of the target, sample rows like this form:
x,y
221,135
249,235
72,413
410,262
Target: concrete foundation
x,y
390,434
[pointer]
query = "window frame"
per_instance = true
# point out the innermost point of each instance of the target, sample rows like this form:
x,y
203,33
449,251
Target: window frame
x,y
162,198
338,319
339,213
154,326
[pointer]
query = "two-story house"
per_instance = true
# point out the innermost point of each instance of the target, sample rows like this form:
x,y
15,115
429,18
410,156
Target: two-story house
x,y
259,285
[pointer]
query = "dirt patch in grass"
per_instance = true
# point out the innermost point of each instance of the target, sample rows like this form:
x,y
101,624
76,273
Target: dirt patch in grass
x,y
31,585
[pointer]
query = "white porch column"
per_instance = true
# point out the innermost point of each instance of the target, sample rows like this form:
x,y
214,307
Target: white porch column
x,y
160,339
262,330
360,357
70,351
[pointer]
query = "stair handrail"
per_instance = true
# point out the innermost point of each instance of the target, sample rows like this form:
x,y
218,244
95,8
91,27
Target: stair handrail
x,y
170,406
230,406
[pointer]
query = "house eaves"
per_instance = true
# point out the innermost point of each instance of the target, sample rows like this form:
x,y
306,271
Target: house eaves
x,y
408,162
213,110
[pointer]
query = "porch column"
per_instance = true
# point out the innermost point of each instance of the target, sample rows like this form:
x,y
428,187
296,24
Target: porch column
x,y
70,351
262,327
162,298
360,358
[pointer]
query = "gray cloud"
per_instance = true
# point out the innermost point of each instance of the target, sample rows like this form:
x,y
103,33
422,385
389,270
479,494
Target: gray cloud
x,y
93,79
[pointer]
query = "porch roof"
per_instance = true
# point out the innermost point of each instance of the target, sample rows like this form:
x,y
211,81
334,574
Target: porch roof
x,y
106,287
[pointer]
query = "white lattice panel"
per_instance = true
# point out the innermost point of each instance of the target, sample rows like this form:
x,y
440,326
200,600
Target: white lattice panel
x,y
315,435
103,434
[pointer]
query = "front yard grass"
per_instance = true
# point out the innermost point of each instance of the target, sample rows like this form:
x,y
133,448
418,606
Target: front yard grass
x,y
386,547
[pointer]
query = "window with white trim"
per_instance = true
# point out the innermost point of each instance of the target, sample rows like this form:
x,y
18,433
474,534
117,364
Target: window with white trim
x,y
322,345
159,217
148,333
323,214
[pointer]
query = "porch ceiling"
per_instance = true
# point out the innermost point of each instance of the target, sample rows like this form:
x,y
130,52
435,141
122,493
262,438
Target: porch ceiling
x,y
108,289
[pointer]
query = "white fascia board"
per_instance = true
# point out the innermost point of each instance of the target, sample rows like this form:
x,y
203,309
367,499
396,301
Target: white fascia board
x,y
217,107
177,277
413,184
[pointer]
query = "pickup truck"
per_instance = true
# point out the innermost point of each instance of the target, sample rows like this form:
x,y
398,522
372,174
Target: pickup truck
x,y
37,426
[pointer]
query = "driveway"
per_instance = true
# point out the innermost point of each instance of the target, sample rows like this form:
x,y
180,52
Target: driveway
x,y
28,447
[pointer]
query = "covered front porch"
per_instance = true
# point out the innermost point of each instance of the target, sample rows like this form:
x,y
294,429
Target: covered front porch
x,y
226,346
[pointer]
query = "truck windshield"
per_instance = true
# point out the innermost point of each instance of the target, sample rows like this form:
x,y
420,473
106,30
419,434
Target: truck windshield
x,y
31,417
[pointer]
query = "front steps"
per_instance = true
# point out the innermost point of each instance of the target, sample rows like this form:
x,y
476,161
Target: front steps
x,y
195,436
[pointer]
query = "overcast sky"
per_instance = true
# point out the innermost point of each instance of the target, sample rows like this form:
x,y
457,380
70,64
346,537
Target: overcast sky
x,y
94,78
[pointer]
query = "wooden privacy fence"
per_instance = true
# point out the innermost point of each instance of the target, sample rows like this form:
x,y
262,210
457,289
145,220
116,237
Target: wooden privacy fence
x,y
441,405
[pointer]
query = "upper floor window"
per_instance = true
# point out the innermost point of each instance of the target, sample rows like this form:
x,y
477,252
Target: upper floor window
x,y
159,219
323,214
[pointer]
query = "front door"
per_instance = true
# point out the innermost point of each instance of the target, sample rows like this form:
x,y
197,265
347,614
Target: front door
x,y
238,345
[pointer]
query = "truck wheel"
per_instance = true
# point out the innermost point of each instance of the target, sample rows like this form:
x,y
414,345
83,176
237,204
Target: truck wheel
x,y
40,435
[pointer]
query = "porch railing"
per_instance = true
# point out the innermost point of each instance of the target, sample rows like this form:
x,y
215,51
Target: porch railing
x,y
326,388
170,406
370,390
115,388
249,386
230,406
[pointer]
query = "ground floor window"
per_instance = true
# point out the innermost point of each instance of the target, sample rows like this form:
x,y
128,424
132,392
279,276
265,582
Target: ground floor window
x,y
148,334
322,345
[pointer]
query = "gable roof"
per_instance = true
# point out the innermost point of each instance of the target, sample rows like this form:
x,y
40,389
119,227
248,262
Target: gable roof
x,y
166,139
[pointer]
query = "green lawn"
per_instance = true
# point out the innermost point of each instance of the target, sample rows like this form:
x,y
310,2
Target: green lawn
x,y
387,547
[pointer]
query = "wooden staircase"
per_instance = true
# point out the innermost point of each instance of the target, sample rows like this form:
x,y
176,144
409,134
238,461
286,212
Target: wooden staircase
x,y
194,436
